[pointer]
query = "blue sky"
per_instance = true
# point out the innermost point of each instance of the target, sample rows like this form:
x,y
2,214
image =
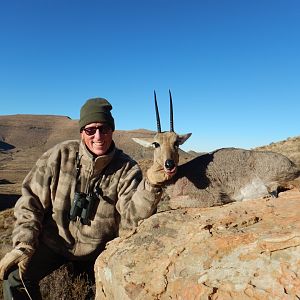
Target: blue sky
x,y
233,66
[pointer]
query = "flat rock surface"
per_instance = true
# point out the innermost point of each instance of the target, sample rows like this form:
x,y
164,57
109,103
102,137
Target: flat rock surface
x,y
242,250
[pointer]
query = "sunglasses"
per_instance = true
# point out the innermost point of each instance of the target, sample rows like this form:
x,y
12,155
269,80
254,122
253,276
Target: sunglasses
x,y
92,130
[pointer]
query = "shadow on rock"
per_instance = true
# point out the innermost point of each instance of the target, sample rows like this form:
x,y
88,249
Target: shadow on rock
x,y
5,181
8,201
5,146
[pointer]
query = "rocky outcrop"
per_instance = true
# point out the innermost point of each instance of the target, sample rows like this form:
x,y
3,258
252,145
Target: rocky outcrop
x,y
242,250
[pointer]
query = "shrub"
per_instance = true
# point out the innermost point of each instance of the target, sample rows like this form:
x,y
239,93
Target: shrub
x,y
61,284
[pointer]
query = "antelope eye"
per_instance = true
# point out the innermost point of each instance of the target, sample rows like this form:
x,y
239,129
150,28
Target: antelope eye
x,y
176,144
155,144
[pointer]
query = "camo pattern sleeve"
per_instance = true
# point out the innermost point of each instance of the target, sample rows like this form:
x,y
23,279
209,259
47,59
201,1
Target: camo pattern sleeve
x,y
137,199
29,209
38,190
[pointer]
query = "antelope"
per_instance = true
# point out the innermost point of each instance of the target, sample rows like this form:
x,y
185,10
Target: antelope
x,y
222,176
165,144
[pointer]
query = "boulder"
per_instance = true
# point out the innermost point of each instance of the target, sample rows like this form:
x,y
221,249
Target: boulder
x,y
241,250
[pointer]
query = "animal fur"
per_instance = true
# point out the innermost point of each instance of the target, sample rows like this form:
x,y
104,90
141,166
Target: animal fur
x,y
228,175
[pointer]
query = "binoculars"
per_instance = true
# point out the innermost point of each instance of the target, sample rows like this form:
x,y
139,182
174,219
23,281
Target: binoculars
x,y
82,207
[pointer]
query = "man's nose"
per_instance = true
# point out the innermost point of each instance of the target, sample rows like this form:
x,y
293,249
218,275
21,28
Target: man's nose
x,y
98,133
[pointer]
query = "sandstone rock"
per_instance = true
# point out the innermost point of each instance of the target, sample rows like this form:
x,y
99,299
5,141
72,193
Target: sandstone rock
x,y
242,250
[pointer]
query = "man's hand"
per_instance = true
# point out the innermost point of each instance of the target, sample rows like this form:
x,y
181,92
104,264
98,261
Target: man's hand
x,y
18,256
157,175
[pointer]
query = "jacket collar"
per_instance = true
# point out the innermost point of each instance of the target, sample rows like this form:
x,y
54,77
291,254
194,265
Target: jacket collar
x,y
98,163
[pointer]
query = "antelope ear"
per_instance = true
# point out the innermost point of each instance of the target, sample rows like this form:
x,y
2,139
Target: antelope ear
x,y
182,138
145,142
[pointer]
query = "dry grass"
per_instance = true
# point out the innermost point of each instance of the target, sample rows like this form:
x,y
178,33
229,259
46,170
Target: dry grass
x,y
6,226
62,285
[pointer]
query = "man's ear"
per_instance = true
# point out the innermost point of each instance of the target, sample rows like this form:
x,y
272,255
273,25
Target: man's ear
x,y
145,142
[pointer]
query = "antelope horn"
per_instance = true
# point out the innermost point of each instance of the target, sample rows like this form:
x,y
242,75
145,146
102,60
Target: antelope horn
x,y
157,114
171,113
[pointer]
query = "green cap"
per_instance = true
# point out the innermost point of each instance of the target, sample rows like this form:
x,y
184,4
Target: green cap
x,y
96,110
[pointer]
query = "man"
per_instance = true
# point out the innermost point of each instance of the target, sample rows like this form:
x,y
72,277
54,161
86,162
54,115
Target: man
x,y
73,202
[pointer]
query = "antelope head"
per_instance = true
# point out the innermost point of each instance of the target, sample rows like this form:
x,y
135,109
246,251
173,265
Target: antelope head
x,y
165,144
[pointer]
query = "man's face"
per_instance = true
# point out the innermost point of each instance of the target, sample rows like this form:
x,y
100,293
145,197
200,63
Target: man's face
x,y
97,137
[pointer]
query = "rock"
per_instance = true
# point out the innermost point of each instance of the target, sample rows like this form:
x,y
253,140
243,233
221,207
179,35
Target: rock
x,y
242,250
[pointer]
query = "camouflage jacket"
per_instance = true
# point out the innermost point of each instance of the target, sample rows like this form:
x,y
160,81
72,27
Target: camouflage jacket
x,y
115,180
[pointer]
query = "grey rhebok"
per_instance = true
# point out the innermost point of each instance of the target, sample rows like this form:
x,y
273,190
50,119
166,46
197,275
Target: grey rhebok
x,y
222,176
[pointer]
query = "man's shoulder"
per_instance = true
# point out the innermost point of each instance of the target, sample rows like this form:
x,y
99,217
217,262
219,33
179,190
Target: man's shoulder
x,y
122,161
64,151
69,146
122,156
